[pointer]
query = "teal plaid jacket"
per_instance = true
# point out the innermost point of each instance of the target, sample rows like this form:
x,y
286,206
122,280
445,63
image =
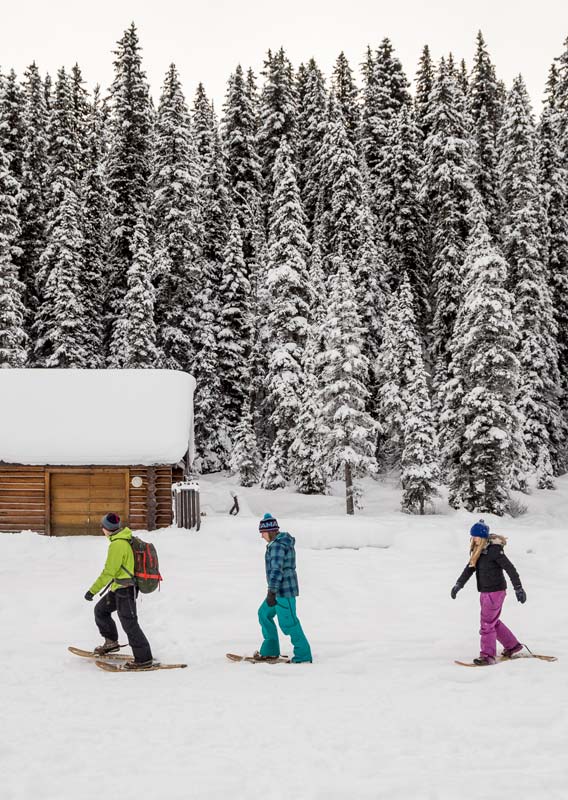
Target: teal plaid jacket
x,y
280,563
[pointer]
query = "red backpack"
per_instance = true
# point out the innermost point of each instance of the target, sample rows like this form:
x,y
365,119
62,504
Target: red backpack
x,y
146,568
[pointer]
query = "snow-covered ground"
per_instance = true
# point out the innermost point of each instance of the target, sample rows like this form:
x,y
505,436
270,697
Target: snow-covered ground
x,y
382,713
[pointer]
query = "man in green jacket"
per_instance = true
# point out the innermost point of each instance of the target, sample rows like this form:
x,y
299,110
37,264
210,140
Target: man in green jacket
x,y
118,571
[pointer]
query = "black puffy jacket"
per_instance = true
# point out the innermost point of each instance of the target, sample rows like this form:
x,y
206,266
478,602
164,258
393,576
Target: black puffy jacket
x,y
489,571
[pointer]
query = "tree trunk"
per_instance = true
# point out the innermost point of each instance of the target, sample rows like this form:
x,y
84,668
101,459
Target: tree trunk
x,y
349,489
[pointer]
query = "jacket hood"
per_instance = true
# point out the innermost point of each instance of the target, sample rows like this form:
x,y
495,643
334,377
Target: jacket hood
x,y
125,533
285,539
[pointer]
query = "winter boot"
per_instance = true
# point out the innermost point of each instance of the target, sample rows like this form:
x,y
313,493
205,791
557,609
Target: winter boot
x,y
108,647
258,657
134,665
507,653
484,661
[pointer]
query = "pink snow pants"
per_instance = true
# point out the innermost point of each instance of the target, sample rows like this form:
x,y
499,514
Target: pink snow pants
x,y
492,629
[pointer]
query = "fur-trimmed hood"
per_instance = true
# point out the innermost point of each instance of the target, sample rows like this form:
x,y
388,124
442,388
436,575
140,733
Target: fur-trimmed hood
x,y
478,545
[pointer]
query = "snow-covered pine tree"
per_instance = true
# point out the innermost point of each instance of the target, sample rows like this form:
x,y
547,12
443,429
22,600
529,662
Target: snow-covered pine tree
x,y
341,192
347,431
235,327
347,96
420,471
278,115
32,209
304,456
81,117
127,163
446,191
395,370
244,166
12,132
177,269
312,112
13,339
288,317
62,171
522,246
401,212
371,291
385,92
485,109
213,193
553,188
424,84
212,435
60,326
245,460
95,212
482,446
133,344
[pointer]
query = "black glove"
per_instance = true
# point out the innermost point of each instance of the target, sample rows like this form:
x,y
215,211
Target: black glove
x,y
521,595
455,590
89,596
271,599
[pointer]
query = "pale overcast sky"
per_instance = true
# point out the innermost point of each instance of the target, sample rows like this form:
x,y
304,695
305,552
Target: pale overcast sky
x,y
207,38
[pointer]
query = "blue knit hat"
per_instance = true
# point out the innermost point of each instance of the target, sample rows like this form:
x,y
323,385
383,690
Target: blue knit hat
x,y
268,523
480,529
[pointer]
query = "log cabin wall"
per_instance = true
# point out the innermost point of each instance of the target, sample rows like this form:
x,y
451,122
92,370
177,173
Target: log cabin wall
x,y
31,500
22,498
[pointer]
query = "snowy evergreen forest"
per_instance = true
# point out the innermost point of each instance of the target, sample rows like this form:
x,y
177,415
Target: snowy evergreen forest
x,y
363,273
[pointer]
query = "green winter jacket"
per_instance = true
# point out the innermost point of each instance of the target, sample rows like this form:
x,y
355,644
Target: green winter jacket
x,y
120,555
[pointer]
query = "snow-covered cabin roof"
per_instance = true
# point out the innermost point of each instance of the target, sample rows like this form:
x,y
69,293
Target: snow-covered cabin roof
x,y
99,417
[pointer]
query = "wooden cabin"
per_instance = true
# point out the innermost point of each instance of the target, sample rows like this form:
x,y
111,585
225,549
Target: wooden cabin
x,y
75,444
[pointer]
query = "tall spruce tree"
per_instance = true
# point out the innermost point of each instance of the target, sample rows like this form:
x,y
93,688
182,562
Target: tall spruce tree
x,y
385,92
174,212
347,431
288,318
425,77
245,458
12,131
341,193
213,192
33,204
95,211
133,345
60,326
244,166
419,466
446,192
480,424
81,113
128,161
13,338
312,112
553,188
235,327
485,108
347,96
401,212
278,115
304,455
522,247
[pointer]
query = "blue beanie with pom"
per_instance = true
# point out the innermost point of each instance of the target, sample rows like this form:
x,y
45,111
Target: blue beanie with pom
x,y
480,529
268,523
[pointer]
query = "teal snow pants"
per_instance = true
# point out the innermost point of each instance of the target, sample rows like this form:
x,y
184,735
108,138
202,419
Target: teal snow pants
x,y
285,612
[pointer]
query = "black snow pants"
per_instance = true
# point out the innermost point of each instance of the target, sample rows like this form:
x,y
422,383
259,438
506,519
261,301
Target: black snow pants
x,y
124,602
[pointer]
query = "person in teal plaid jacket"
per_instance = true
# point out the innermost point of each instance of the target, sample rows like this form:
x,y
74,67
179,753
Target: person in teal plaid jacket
x,y
282,582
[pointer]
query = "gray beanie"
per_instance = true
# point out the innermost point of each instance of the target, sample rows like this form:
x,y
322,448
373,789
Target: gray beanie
x,y
111,522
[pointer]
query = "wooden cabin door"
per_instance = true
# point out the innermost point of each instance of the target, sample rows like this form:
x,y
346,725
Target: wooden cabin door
x,y
79,499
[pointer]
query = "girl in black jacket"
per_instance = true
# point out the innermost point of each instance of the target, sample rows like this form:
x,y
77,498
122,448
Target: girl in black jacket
x,y
488,561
